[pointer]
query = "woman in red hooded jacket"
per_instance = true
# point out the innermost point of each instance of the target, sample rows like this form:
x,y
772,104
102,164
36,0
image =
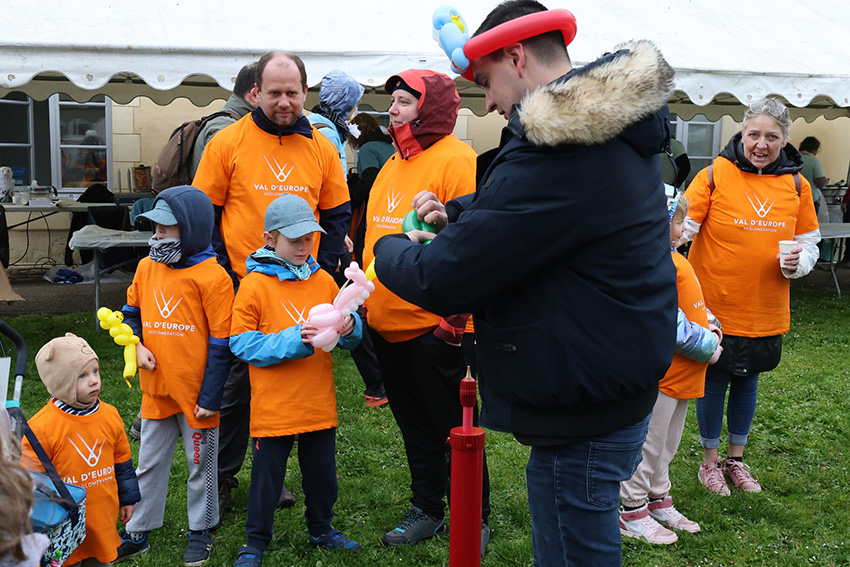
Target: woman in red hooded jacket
x,y
421,373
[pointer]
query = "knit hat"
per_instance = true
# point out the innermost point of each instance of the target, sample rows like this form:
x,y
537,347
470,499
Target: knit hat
x,y
60,363
291,216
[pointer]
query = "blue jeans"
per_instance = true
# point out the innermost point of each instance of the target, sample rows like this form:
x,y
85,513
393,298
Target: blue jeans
x,y
743,393
573,495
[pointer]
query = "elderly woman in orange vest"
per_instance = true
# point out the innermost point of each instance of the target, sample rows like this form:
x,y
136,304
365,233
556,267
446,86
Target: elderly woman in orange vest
x,y
741,206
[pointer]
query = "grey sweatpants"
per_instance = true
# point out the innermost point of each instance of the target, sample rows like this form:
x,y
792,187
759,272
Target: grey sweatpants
x,y
159,437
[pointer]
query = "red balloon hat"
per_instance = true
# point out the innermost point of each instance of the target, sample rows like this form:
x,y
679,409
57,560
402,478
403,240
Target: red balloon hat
x,y
519,29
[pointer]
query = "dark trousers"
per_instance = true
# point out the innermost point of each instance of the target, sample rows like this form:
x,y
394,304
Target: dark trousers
x,y
235,418
317,459
422,379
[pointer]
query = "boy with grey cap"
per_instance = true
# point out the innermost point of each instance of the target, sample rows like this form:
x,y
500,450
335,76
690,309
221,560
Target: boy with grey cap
x,y
292,386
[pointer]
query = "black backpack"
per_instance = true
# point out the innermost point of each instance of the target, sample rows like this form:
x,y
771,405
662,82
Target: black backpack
x,y
172,163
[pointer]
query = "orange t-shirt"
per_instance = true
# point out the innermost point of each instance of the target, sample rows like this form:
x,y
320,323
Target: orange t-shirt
x,y
84,450
685,378
448,170
180,310
734,252
293,396
244,168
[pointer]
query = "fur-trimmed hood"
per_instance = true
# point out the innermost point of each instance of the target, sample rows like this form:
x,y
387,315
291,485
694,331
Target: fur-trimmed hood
x,y
596,103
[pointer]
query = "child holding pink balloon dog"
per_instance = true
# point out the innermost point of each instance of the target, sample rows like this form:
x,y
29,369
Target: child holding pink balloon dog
x,y
292,383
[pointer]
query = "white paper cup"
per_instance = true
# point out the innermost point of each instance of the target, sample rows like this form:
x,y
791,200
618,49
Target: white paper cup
x,y
785,248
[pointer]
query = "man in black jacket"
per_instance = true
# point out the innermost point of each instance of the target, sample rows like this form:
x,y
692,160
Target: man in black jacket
x,y
562,257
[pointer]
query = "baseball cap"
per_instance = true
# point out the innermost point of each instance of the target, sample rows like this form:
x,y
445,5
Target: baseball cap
x,y
291,216
160,214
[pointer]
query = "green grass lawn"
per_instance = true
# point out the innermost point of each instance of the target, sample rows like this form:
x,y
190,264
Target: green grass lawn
x,y
799,450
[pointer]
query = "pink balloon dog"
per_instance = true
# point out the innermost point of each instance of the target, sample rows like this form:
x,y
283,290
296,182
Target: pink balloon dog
x,y
329,318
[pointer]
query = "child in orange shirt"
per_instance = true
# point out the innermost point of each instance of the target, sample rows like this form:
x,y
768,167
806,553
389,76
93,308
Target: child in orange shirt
x,y
85,440
292,385
697,346
179,304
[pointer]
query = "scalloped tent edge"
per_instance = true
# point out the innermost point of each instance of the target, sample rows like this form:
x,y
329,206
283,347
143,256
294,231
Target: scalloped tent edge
x,y
720,64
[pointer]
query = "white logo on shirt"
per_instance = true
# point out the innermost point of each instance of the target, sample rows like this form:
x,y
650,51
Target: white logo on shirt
x,y
300,312
393,200
164,306
91,459
763,206
279,171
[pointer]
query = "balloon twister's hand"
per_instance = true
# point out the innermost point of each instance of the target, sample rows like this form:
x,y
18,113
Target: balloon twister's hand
x,y
430,209
308,331
201,413
420,236
145,358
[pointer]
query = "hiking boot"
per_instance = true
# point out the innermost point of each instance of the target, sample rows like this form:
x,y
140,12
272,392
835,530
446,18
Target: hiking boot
x,y
130,549
248,557
136,428
485,536
286,500
664,512
415,526
375,398
740,475
640,525
335,540
711,477
198,546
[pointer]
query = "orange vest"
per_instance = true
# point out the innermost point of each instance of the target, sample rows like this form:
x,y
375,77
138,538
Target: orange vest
x,y
244,168
180,310
734,253
448,170
293,396
686,377
84,450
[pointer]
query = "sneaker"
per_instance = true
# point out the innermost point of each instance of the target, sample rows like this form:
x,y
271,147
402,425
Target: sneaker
x,y
130,549
740,475
415,526
377,398
711,477
664,512
286,500
136,428
639,525
198,546
485,536
335,540
248,557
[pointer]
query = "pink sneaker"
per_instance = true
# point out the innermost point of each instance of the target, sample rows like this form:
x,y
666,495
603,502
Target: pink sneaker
x,y
639,525
664,512
711,477
741,476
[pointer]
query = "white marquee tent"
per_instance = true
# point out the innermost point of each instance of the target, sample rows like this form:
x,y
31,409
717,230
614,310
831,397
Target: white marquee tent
x,y
725,51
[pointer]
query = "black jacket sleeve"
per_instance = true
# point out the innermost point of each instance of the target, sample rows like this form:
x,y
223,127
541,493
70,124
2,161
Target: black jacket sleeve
x,y
336,222
128,484
219,247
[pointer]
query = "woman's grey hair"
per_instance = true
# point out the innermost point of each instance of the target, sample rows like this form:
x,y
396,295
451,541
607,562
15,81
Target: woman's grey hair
x,y
770,107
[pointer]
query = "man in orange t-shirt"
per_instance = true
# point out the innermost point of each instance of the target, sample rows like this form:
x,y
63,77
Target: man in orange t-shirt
x,y
273,151
84,439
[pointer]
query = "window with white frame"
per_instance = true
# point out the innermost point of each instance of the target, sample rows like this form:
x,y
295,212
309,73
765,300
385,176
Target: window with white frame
x,y
701,138
16,136
80,142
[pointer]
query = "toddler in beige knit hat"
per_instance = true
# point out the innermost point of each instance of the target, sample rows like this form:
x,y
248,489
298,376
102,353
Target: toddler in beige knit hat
x,y
68,366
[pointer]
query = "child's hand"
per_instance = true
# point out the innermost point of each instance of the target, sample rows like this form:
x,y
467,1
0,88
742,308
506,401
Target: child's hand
x,y
201,413
348,327
144,357
126,513
308,331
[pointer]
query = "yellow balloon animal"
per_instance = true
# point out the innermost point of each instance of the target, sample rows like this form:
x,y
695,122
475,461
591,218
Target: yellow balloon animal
x,y
122,333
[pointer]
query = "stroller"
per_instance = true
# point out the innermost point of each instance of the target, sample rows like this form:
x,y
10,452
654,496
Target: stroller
x,y
59,509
